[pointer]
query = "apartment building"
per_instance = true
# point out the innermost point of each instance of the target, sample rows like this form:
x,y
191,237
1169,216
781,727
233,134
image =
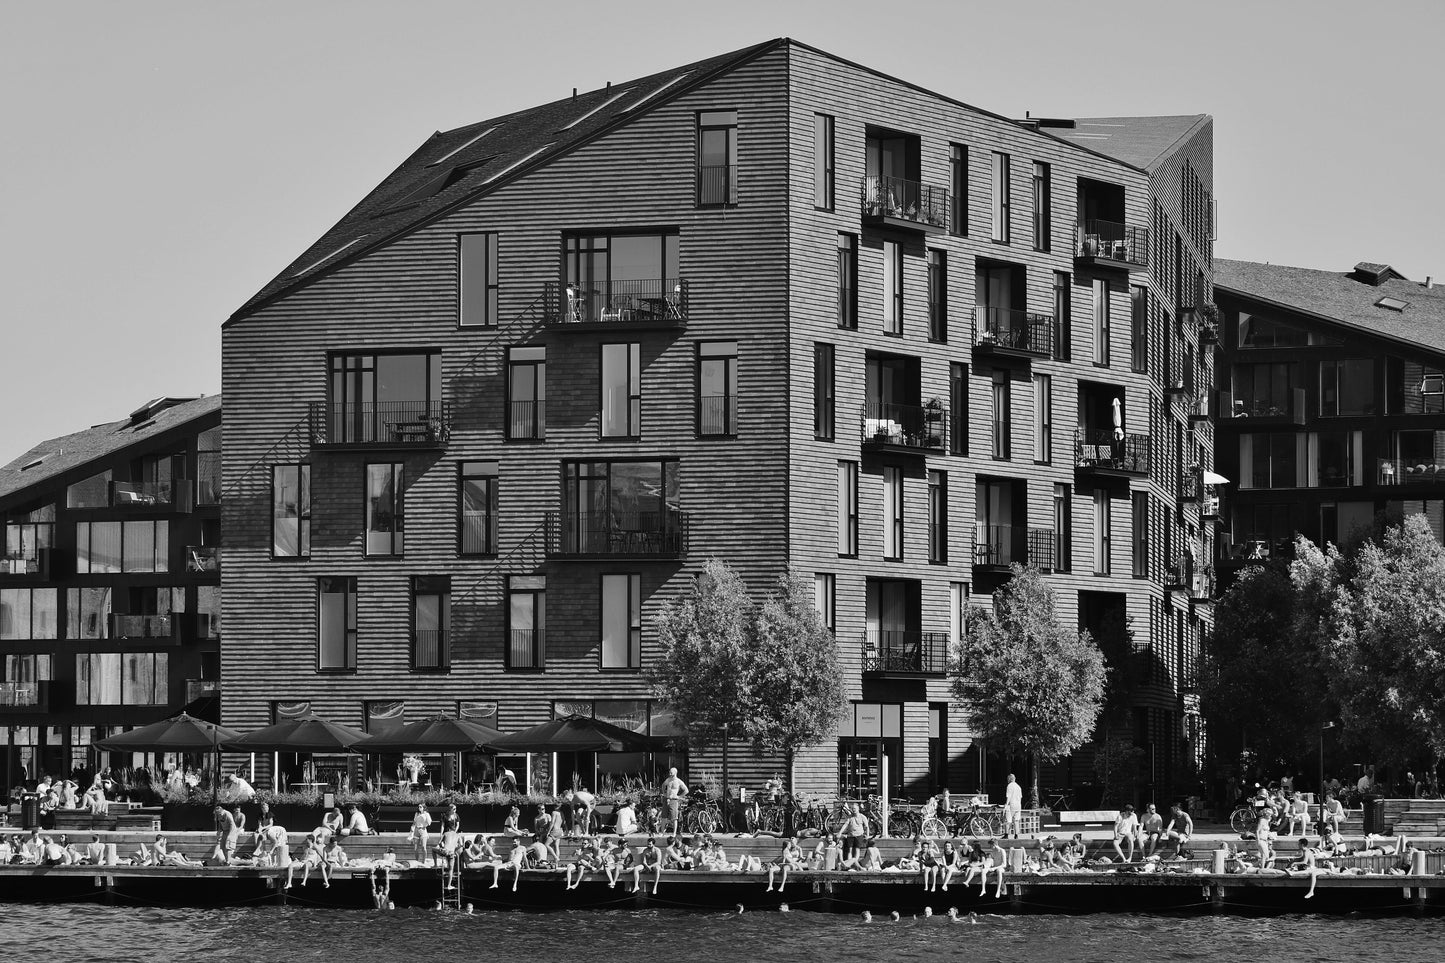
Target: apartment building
x,y
110,597
773,307
1331,405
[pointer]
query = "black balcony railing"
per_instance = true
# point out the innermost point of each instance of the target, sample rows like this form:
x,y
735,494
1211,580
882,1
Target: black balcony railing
x,y
905,652
1411,471
999,331
886,425
896,199
716,185
1111,450
33,696
203,558
1179,572
524,649
140,494
405,423
1043,549
614,533
999,546
1286,407
718,414
141,626
429,649
1200,405
1112,241
526,419
659,301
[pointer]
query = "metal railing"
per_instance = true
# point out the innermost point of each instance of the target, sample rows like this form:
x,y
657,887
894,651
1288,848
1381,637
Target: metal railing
x,y
642,301
25,694
139,494
429,649
1006,329
715,185
1043,548
1000,546
1290,408
203,558
382,423
617,533
1112,241
1200,405
904,426
1411,471
523,649
718,414
140,626
1112,450
904,200
898,650
526,419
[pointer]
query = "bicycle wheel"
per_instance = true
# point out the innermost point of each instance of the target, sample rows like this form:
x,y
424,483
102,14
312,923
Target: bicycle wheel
x,y
996,824
977,825
836,819
933,828
904,824
1241,821
704,821
771,819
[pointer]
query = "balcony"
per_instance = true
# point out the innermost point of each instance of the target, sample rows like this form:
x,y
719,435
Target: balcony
x,y
1209,507
174,496
1179,573
143,627
1200,405
996,547
201,688
904,654
612,534
1011,335
897,202
649,303
1286,409
29,563
203,559
25,697
1109,244
1191,487
903,429
1110,453
1400,472
391,424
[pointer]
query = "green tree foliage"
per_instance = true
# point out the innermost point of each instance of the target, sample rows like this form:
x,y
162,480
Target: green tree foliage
x,y
1028,684
1116,763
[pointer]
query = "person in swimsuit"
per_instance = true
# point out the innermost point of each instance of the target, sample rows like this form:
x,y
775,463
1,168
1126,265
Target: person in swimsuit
x,y
622,859
928,865
516,861
651,861
791,858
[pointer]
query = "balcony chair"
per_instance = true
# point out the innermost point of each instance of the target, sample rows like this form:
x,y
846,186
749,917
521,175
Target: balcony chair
x,y
574,305
674,303
619,310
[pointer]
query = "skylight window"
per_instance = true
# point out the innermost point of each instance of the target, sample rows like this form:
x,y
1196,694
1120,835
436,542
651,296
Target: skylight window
x,y
1392,304
610,100
677,79
518,163
333,254
31,464
458,150
432,186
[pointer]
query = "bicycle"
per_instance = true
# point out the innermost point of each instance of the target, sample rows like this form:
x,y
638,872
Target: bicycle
x,y
701,816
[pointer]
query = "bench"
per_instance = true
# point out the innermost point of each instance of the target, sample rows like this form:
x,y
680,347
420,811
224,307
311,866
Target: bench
x,y
394,819
1088,817
139,820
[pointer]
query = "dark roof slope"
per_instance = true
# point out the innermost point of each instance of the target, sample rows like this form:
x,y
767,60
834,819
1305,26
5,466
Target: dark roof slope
x,y
1340,297
461,165
60,455
1140,141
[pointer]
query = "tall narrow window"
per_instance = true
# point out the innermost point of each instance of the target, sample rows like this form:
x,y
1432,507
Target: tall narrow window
x,y
717,388
1063,332
384,518
848,281
526,621
1141,534
892,287
1001,415
1063,545
823,162
477,254
958,409
957,614
1042,200
958,185
937,516
892,512
527,393
937,295
848,508
825,598
717,158
824,392
1043,419
1101,322
1138,328
621,621
336,623
431,622
478,508
1101,531
1000,221
291,511
208,467
621,390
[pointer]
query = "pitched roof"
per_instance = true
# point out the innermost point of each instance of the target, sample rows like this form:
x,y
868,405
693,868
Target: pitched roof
x,y
460,165
1140,141
1344,297
60,455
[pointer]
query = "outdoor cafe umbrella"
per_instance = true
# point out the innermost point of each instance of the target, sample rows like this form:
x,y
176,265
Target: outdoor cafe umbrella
x,y
440,733
576,734
303,734
179,733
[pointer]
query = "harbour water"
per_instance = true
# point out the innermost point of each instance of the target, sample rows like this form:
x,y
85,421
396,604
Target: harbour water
x,y
87,932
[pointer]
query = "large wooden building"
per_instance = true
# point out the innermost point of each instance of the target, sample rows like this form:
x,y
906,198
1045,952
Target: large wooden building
x,y
773,307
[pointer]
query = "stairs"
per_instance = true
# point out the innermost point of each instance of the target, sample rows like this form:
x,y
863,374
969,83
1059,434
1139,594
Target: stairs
x,y
1415,817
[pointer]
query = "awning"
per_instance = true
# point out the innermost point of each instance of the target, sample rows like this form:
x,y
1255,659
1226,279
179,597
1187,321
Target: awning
x,y
1213,478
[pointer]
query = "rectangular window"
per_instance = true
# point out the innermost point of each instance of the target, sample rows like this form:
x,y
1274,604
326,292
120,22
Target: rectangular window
x,y
892,512
1042,200
937,517
848,281
958,185
1141,534
104,548
614,278
87,612
29,613
1043,419
1001,415
1000,219
1138,328
478,508
621,390
526,393
957,613
717,384
937,295
1102,524
622,621
477,254
385,398
291,511
208,467
957,408
892,287
848,508
824,392
526,621
717,158
1347,387
823,162
208,611
1271,459
1101,322
1063,546
385,522
336,623
1063,331
122,679
621,507
431,623
825,598
92,492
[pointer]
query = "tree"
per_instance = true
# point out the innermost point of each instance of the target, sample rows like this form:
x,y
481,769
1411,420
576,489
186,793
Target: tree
x,y
1029,684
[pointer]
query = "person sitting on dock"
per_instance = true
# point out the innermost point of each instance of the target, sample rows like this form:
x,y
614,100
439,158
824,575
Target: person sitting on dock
x,y
94,801
1074,851
95,851
995,860
715,857
1297,813
1308,865
32,849
649,862
540,855
1126,830
928,866
332,855
949,863
264,820
356,824
480,853
1180,828
54,854
1151,830
619,861
587,860
331,824
791,858
512,825
307,857
626,818
516,861
1332,814
675,855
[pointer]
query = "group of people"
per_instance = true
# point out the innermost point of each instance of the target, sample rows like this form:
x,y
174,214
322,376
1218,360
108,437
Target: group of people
x,y
40,849
1149,835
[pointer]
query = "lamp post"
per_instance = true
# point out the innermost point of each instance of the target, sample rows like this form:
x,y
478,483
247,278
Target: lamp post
x,y
1323,729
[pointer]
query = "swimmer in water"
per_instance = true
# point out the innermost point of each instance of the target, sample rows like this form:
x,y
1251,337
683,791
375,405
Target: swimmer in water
x,y
469,909
953,913
894,916
867,916
972,919
740,909
927,912
783,908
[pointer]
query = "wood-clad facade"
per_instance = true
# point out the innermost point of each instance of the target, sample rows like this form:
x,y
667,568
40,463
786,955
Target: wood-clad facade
x,y
753,474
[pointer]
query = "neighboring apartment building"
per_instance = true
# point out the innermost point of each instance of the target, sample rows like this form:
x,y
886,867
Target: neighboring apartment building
x,y
1332,403
110,608
773,307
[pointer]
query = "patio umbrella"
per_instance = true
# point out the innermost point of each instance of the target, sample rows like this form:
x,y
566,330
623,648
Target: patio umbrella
x,y
576,734
179,733
440,733
304,734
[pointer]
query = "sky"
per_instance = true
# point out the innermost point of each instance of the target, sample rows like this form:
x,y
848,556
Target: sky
x,y
161,161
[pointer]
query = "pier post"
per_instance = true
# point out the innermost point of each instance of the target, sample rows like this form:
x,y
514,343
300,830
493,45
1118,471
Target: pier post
x,y
1216,897
110,891
1218,867
1417,862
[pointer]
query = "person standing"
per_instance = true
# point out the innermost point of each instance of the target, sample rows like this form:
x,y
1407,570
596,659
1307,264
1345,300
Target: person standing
x,y
855,831
1013,807
673,790
226,836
